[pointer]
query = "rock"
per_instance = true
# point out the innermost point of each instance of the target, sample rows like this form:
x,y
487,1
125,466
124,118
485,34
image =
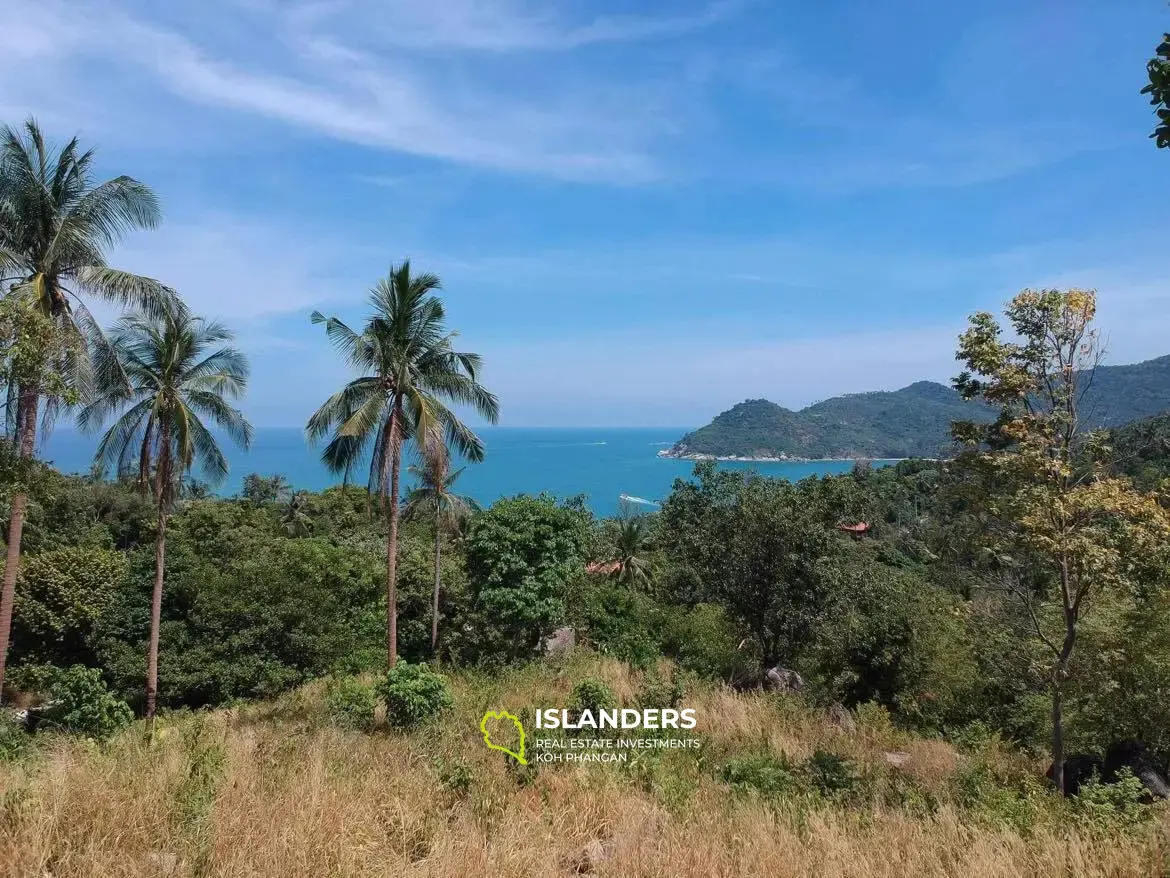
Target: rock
x,y
780,679
840,717
1078,768
1135,756
560,641
896,758
590,857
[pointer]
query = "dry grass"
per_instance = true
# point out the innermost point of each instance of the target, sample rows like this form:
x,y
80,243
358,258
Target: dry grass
x,y
274,791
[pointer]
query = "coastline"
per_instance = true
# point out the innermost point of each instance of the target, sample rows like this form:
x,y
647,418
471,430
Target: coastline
x,y
670,454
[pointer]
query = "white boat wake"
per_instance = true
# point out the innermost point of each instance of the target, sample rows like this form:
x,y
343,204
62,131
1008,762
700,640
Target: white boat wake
x,y
641,501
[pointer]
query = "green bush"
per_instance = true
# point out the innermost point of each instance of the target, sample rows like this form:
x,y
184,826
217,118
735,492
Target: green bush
x,y
14,740
620,622
1114,806
413,695
831,775
658,691
592,695
81,703
350,704
703,640
770,776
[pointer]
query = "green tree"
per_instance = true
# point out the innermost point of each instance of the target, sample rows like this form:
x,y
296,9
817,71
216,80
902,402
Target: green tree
x,y
1158,88
294,518
523,553
176,380
1058,528
259,489
632,541
409,369
56,223
63,595
434,497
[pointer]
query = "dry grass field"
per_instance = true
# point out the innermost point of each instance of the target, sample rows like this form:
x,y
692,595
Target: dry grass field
x,y
275,790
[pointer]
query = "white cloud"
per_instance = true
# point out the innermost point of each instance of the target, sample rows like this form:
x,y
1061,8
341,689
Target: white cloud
x,y
293,66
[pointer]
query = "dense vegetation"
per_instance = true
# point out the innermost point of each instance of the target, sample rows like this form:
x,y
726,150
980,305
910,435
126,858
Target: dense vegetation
x,y
912,422
991,611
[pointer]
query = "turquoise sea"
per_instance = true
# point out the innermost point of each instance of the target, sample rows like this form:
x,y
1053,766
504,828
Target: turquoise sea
x,y
601,463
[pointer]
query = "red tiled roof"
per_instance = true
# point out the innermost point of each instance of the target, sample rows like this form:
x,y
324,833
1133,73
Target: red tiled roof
x,y
603,568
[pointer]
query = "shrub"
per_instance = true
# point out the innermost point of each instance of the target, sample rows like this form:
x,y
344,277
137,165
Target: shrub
x,y
659,691
413,695
770,776
350,704
1114,806
831,774
620,623
703,640
592,695
14,740
81,703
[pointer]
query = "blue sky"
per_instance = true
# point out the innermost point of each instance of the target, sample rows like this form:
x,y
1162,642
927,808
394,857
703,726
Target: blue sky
x,y
642,212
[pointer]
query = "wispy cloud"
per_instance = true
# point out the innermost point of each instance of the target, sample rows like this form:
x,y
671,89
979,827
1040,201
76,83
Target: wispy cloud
x,y
298,67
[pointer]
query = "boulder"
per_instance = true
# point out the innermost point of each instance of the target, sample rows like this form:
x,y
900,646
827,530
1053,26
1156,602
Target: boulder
x,y
780,679
839,716
1078,769
560,641
1135,756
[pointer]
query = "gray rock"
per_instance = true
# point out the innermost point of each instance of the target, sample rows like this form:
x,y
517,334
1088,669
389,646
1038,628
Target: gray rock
x,y
560,641
840,716
780,679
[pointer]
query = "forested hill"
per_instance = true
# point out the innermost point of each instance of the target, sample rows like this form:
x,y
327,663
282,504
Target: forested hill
x,y
911,422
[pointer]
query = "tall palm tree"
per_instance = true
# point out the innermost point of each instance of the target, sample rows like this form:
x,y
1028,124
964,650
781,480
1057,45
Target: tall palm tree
x,y
56,223
296,521
408,370
178,377
631,543
433,496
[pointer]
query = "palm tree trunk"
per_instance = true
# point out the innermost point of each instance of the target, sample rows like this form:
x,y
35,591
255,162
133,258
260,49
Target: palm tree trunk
x,y
392,539
438,582
162,490
27,420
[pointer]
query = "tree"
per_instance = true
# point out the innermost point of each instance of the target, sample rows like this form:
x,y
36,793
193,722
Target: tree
x,y
259,489
1158,88
175,381
1058,529
55,226
434,496
409,369
523,553
296,521
632,539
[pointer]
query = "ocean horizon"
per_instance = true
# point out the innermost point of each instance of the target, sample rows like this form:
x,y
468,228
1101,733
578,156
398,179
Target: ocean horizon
x,y
602,463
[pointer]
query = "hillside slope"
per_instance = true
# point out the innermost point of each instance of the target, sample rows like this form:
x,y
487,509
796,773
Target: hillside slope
x,y
911,422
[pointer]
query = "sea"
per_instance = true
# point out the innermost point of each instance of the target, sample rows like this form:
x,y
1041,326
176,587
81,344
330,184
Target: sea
x,y
611,467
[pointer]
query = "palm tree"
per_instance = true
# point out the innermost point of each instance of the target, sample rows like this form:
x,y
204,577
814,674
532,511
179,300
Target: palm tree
x,y
55,225
294,518
434,496
631,542
176,381
408,369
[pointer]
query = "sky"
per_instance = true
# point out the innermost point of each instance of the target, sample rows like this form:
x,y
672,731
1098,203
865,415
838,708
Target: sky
x,y
642,212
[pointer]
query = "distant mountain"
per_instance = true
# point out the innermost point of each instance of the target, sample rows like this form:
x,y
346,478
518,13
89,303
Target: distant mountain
x,y
911,422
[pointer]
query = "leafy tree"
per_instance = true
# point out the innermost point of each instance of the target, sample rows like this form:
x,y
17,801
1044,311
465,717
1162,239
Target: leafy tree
x,y
260,489
175,381
1158,88
63,595
434,496
409,368
523,553
1059,529
56,223
758,547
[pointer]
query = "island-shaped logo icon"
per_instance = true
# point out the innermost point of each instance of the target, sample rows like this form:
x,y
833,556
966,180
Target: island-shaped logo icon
x,y
503,716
